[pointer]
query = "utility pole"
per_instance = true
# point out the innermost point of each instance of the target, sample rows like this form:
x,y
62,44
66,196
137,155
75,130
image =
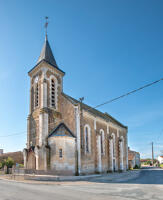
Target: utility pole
x,y
81,120
152,155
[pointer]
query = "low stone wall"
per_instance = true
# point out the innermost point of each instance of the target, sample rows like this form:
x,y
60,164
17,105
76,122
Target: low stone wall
x,y
110,177
22,171
33,177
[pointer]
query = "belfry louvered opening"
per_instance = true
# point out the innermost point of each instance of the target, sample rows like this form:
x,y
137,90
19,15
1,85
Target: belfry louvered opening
x,y
53,93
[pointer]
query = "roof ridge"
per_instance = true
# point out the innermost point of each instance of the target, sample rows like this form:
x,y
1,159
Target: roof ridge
x,y
89,108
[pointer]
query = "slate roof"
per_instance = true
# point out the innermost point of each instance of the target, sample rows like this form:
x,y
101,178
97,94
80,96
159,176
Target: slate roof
x,y
47,56
94,111
55,131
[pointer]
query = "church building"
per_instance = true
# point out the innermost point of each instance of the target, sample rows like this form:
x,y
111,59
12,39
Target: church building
x,y
64,135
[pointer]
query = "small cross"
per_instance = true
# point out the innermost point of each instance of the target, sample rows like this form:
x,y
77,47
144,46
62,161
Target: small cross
x,y
46,24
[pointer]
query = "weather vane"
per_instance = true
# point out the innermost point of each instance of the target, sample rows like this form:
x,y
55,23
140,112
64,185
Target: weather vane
x,y
46,24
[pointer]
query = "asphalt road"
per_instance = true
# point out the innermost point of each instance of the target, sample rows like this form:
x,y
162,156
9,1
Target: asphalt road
x,y
149,185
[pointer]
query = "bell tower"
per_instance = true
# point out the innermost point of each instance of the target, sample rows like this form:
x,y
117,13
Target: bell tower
x,y
45,92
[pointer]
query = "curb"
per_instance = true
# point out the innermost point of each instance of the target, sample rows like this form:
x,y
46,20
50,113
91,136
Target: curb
x,y
22,177
113,177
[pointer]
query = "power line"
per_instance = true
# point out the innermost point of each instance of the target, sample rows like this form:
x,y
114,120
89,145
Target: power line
x,y
19,133
107,102
129,93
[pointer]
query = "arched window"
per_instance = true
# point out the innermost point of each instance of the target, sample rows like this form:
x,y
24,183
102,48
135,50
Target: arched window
x,y
53,103
36,95
114,150
87,137
102,135
122,145
121,152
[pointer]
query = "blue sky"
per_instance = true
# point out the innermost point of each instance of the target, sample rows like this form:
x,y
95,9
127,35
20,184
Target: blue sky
x,y
106,48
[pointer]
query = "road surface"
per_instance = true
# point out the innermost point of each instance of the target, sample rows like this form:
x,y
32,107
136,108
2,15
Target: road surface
x,y
149,185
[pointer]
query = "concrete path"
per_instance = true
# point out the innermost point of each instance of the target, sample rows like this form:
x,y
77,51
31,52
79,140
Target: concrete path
x,y
147,185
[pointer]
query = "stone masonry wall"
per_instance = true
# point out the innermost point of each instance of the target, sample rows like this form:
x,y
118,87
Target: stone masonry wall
x,y
68,114
89,161
67,163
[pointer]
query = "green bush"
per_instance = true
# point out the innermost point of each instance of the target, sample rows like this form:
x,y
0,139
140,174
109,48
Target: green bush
x,y
9,162
21,165
2,164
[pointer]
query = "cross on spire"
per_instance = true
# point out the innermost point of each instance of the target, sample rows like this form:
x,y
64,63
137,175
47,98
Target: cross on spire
x,y
46,25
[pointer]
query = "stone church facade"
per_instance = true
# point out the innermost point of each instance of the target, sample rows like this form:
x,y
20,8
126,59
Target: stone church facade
x,y
64,135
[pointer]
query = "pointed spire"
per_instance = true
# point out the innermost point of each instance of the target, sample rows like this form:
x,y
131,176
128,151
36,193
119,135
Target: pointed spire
x,y
46,52
46,37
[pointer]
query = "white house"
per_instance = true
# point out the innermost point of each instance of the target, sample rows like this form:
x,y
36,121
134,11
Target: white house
x,y
160,159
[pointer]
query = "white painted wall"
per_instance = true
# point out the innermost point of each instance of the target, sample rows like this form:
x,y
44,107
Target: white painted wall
x,y
160,159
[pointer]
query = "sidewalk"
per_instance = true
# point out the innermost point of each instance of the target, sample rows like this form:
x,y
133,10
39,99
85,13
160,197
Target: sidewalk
x,y
33,177
116,176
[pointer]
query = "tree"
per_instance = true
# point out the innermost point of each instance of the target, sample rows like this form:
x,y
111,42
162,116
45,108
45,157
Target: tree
x,y
2,164
9,162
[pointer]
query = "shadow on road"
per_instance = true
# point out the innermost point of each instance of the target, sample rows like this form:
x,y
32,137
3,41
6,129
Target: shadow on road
x,y
146,176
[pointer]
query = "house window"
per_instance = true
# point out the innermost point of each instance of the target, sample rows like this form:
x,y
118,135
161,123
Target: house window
x,y
87,136
53,93
60,153
36,95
